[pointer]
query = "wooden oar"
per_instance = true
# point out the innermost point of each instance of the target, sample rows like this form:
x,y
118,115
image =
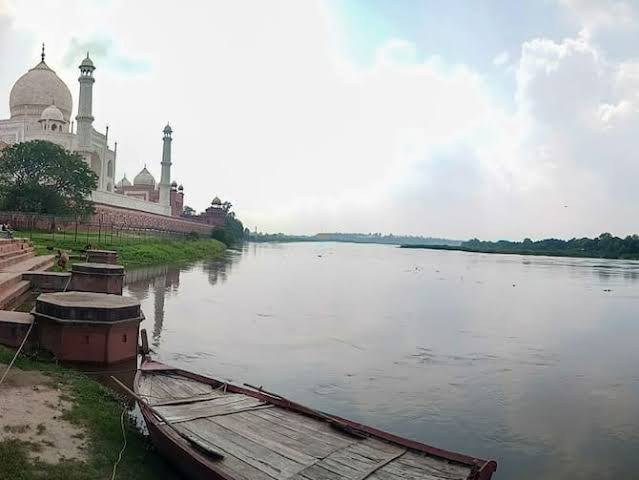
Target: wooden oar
x,y
330,420
189,438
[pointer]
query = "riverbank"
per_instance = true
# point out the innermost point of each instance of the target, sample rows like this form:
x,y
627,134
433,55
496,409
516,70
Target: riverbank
x,y
536,253
62,425
149,252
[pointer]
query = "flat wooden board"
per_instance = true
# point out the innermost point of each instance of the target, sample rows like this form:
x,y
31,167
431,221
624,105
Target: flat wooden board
x,y
225,405
158,388
248,451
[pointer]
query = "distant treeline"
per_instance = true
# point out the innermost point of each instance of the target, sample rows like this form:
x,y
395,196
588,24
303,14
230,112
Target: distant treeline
x,y
603,246
389,239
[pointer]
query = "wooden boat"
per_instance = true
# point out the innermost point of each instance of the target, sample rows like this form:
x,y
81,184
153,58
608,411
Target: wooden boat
x,y
213,430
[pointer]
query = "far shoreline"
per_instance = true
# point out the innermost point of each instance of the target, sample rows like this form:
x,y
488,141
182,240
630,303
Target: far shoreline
x,y
527,253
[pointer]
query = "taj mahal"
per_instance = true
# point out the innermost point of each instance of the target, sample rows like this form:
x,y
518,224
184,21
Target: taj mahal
x,y
41,108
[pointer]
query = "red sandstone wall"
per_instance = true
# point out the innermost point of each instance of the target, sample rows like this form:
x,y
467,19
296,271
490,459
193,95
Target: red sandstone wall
x,y
107,215
134,218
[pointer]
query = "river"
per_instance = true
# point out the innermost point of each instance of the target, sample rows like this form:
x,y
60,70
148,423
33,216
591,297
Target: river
x,y
532,361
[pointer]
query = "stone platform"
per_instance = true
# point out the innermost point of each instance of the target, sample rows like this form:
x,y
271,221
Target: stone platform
x,y
97,277
102,256
14,327
88,327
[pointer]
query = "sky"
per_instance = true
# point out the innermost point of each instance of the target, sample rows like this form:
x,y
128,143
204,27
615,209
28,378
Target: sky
x,y
457,119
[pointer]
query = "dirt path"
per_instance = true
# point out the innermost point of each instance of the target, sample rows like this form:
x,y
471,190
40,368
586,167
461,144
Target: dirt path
x,y
31,409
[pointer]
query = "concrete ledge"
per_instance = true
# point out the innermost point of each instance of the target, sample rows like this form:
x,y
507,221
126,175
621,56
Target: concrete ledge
x,y
14,327
47,281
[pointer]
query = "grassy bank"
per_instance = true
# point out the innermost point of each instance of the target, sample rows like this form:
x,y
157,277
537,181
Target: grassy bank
x,y
151,251
97,410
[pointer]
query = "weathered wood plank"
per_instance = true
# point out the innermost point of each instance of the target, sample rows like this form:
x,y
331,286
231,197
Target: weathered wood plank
x,y
308,426
182,387
310,443
267,438
384,474
433,464
250,452
234,467
379,465
208,408
158,388
317,472
151,390
197,398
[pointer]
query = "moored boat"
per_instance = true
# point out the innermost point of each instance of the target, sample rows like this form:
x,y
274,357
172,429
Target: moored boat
x,y
209,429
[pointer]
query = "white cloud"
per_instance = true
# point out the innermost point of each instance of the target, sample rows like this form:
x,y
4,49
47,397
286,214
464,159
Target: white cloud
x,y
596,15
268,113
501,59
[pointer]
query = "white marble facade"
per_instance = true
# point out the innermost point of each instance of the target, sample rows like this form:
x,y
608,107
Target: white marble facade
x,y
41,108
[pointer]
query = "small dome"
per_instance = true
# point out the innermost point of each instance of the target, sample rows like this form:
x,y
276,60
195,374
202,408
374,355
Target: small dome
x,y
168,129
124,182
36,90
173,184
87,62
216,201
52,113
144,178
181,188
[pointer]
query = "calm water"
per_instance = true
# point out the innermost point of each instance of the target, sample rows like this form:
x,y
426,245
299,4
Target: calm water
x,y
530,361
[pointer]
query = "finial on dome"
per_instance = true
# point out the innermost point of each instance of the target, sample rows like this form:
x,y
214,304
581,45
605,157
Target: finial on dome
x,y
42,54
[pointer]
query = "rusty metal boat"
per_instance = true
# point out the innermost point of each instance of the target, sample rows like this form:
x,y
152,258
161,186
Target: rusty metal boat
x,y
209,429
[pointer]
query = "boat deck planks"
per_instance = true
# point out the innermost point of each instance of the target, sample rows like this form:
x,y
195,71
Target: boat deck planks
x,y
262,441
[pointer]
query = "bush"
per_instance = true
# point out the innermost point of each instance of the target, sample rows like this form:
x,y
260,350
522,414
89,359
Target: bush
x,y
193,236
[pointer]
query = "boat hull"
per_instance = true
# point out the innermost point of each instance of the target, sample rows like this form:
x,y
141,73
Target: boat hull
x,y
194,464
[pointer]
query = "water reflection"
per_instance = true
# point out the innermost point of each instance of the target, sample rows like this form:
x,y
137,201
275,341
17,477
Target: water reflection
x,y
163,281
529,360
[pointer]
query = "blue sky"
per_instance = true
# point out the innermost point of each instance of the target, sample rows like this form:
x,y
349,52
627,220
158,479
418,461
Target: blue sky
x,y
495,119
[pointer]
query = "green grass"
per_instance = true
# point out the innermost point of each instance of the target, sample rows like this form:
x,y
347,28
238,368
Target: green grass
x,y
96,409
150,251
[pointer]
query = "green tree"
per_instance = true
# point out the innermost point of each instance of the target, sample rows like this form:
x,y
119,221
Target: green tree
x,y
188,211
232,232
42,177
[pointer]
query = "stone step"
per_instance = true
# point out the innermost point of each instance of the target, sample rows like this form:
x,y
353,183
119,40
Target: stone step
x,y
6,263
9,295
8,279
39,262
14,253
13,246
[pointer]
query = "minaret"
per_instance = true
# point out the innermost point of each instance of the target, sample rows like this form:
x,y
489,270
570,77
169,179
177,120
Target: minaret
x,y
84,118
165,179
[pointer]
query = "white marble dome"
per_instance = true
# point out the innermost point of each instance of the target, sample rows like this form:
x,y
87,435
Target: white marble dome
x,y
52,113
144,178
38,89
124,182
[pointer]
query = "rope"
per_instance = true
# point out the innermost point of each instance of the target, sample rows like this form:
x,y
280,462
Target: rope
x,y
24,340
67,285
115,465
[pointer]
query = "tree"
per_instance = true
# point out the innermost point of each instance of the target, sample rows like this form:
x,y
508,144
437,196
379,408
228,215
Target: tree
x,y
42,177
226,206
232,232
188,211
